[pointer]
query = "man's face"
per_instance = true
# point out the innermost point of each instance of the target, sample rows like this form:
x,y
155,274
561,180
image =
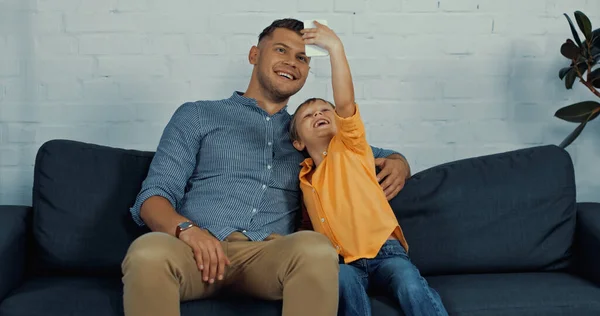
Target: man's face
x,y
282,65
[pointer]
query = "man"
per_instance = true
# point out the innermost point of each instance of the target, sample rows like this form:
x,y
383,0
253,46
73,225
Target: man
x,y
222,197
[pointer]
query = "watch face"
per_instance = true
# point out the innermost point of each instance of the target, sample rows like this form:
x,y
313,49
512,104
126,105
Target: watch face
x,y
185,225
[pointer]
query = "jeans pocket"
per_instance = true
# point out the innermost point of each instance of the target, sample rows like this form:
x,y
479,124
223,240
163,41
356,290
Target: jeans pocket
x,y
392,248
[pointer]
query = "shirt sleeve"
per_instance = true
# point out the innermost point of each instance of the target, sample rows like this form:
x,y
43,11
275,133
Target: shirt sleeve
x,y
351,131
382,152
174,160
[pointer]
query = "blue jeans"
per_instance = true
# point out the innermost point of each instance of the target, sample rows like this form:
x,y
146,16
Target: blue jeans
x,y
393,272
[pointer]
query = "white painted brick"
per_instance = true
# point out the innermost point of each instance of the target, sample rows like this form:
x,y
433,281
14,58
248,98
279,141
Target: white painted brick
x,y
418,6
462,5
216,88
111,44
20,133
58,90
49,68
314,6
349,5
24,91
476,88
59,6
133,5
103,22
97,6
132,66
391,89
101,89
385,6
251,24
78,132
155,90
264,6
9,67
211,67
23,23
237,44
134,133
56,45
420,24
172,45
208,44
9,156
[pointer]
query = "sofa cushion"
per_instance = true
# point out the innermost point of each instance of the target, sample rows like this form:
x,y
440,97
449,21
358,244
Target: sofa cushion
x,y
515,294
50,296
81,198
506,212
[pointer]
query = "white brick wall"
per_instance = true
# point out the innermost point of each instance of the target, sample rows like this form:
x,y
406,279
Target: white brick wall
x,y
112,72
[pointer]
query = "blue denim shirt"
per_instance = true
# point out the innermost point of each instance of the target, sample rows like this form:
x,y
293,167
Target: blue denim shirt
x,y
228,166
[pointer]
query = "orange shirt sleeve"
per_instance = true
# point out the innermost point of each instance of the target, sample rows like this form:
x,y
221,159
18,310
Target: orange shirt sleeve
x,y
351,131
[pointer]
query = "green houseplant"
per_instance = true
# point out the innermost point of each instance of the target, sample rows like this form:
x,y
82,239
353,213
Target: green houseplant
x,y
584,55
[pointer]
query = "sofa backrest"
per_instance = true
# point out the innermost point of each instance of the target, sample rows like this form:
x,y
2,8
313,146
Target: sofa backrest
x,y
81,198
506,212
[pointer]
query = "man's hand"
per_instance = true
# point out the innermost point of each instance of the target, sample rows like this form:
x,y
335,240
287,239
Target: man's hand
x,y
394,172
208,253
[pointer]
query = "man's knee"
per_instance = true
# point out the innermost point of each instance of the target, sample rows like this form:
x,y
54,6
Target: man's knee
x,y
314,246
148,252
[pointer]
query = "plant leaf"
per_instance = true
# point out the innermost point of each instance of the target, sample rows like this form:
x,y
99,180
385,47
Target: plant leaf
x,y
563,72
570,78
595,78
596,38
579,112
584,24
569,139
570,50
573,30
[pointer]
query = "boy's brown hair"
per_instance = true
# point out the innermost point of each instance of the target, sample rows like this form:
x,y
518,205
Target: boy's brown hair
x,y
293,130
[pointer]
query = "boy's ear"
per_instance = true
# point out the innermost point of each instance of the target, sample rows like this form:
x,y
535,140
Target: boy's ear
x,y
298,145
253,55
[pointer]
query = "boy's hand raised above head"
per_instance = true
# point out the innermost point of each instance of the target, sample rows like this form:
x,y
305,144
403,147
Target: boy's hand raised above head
x,y
321,36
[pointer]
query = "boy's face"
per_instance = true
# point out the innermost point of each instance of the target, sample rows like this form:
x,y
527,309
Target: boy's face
x,y
315,123
282,65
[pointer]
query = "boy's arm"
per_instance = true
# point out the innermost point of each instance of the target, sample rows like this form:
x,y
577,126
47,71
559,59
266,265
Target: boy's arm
x,y
343,88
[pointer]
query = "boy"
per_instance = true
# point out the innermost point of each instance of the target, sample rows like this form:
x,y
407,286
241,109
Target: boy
x,y
344,200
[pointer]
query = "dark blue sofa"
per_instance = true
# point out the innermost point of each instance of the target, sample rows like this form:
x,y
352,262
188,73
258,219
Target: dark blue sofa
x,y
494,235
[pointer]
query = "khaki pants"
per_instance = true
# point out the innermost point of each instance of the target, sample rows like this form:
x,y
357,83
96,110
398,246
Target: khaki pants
x,y
159,271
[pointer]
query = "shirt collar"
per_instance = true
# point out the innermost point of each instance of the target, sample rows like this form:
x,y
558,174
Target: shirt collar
x,y
239,97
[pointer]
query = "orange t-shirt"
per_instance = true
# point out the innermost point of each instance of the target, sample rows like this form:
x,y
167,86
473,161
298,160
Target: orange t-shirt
x,y
343,198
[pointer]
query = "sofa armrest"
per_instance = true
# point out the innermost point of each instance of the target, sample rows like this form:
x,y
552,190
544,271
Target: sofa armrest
x,y
587,241
14,223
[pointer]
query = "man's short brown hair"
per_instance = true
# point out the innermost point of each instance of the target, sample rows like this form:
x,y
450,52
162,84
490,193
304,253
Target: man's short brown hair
x,y
293,129
288,23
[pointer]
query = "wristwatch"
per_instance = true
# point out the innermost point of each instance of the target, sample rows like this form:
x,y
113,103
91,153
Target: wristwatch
x,y
183,226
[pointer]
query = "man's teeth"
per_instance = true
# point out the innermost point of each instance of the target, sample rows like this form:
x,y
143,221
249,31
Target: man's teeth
x,y
283,74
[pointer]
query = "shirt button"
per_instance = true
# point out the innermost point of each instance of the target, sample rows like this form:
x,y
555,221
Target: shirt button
x,y
324,153
313,190
264,186
322,220
268,118
337,247
253,210
269,167
269,143
243,231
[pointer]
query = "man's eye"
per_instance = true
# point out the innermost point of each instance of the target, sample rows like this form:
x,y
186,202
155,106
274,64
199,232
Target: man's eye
x,y
281,50
302,58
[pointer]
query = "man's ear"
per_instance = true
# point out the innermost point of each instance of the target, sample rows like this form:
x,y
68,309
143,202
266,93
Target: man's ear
x,y
298,145
253,55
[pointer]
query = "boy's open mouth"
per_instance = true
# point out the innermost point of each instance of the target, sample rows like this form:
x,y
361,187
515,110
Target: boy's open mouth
x,y
321,122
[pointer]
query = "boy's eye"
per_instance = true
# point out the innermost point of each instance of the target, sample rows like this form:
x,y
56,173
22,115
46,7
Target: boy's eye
x,y
325,110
